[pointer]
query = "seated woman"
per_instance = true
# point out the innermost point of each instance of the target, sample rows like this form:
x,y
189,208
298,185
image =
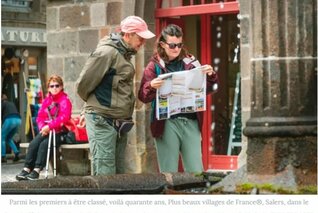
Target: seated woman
x,y
55,110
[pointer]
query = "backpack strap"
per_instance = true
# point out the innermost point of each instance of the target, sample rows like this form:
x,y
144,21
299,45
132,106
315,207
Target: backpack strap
x,y
157,69
153,103
53,104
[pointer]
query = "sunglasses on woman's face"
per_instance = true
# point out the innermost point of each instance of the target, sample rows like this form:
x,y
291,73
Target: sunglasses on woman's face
x,y
54,85
174,45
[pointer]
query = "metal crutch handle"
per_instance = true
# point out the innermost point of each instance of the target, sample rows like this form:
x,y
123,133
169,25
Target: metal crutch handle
x,y
48,155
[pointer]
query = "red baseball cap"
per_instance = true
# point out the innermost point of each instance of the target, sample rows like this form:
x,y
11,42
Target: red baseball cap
x,y
135,24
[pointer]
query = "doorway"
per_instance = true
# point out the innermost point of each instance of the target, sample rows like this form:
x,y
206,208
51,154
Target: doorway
x,y
211,34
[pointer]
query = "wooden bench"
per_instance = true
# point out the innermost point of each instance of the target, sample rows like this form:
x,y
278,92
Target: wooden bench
x,y
69,160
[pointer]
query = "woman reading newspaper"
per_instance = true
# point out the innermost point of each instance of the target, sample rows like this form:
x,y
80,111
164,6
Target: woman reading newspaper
x,y
176,131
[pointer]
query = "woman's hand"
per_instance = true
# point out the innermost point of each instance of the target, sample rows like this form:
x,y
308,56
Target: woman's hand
x,y
156,83
45,130
208,69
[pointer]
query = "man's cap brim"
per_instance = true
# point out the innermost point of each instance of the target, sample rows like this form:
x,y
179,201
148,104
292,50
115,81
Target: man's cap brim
x,y
146,34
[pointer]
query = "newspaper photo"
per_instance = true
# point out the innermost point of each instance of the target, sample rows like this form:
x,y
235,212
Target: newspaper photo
x,y
181,92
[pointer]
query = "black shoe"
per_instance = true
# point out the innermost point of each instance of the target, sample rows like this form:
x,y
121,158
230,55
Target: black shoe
x,y
33,175
3,159
22,175
16,157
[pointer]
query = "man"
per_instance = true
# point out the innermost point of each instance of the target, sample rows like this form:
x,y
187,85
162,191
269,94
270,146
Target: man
x,y
106,85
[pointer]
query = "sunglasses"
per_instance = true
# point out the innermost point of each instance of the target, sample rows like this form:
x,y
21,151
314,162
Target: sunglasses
x,y
54,85
173,45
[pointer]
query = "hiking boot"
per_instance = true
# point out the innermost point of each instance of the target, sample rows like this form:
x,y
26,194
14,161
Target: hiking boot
x,y
22,175
16,157
33,175
3,159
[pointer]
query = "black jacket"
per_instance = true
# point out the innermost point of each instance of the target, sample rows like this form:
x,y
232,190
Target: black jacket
x,y
8,110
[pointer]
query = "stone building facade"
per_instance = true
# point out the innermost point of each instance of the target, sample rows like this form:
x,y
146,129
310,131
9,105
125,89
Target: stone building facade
x,y
278,74
23,33
278,55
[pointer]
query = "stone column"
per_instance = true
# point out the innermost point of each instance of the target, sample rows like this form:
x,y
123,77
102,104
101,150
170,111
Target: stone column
x,y
282,58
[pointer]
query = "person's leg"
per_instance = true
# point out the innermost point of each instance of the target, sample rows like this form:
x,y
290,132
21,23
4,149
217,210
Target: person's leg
x,y
41,158
16,123
102,141
32,152
30,158
167,147
4,132
191,146
120,154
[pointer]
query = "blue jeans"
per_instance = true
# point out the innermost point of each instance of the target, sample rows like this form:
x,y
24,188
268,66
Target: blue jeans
x,y
106,147
9,128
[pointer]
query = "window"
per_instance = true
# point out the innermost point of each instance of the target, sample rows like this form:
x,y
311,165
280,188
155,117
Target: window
x,y
16,5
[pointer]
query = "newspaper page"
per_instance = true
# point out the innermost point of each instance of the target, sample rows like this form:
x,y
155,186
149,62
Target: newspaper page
x,y
181,92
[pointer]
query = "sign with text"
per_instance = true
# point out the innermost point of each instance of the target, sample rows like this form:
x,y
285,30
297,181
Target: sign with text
x,y
23,36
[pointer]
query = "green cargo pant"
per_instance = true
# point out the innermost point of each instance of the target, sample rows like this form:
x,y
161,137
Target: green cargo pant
x,y
181,136
106,147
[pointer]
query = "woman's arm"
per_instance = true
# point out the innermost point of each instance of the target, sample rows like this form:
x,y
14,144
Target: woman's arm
x,y
147,93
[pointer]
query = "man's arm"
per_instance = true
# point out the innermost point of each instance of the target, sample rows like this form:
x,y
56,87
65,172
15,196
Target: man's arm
x,y
93,72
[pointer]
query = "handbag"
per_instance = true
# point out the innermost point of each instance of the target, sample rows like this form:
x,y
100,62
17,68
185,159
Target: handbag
x,y
73,133
69,137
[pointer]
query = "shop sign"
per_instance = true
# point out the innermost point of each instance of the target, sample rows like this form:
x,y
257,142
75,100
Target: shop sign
x,y
23,36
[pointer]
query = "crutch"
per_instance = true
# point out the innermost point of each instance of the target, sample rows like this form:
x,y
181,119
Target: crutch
x,y
51,134
54,153
48,155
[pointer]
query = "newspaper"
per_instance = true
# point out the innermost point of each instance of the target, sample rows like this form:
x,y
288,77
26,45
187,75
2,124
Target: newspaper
x,y
181,92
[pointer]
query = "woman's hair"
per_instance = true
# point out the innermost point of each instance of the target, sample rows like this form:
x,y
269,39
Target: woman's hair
x,y
170,30
55,78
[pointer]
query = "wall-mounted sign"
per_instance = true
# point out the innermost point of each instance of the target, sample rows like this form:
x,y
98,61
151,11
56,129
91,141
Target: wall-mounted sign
x,y
23,36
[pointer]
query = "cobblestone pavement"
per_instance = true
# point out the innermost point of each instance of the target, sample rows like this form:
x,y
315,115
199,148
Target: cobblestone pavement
x,y
10,169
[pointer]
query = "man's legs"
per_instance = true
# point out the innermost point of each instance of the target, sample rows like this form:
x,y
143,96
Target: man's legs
x,y
102,140
120,154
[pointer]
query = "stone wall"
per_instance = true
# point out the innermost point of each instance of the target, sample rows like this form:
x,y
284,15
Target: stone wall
x,y
34,19
245,46
73,31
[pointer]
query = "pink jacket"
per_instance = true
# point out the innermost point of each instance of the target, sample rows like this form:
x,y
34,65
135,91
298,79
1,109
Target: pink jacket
x,y
59,105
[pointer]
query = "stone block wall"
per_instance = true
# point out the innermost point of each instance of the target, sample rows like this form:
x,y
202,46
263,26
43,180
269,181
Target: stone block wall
x,y
245,46
32,19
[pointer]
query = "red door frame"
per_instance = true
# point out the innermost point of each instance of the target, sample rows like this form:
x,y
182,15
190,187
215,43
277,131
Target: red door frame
x,y
210,160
